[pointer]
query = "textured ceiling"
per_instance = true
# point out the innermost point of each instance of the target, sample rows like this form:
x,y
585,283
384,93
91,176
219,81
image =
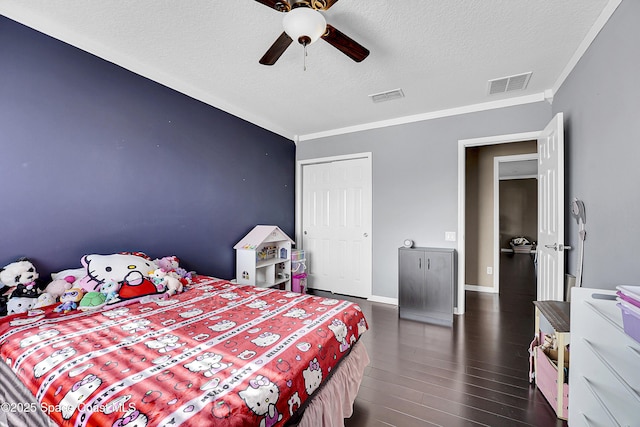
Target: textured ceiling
x,y
440,53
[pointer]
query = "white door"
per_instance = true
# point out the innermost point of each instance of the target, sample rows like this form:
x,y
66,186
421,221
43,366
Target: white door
x,y
336,225
551,211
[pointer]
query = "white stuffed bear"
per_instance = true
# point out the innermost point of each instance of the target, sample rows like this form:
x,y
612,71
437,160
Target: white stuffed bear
x,y
163,279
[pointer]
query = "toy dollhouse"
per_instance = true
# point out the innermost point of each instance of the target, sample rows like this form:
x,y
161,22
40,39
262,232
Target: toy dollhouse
x,y
263,258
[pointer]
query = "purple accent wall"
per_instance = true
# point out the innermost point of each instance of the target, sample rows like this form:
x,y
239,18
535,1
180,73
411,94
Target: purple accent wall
x,y
96,159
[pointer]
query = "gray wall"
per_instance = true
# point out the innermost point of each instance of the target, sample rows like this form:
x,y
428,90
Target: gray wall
x,y
415,177
601,103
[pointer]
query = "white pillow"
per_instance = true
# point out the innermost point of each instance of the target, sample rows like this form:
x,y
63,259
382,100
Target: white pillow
x,y
78,273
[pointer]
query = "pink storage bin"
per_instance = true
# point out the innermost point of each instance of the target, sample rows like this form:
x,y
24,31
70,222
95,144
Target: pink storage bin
x,y
299,283
298,267
547,382
628,299
630,321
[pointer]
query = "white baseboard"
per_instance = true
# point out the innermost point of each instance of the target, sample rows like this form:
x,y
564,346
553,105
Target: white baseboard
x,y
476,288
384,300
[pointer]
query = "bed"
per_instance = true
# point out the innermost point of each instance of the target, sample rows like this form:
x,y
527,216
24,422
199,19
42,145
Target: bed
x,y
216,354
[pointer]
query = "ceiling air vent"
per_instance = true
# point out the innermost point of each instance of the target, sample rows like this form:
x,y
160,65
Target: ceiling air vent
x,y
510,83
387,96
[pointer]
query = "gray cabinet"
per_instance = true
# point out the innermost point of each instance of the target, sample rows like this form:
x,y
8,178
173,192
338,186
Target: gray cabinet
x,y
426,284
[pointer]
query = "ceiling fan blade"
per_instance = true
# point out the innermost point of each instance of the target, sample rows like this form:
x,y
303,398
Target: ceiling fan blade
x,y
322,4
330,3
279,5
345,44
276,50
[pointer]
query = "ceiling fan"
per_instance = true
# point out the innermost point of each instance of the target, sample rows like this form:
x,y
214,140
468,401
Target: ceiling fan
x,y
305,24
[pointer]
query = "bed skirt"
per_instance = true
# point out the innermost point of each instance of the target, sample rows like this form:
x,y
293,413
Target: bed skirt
x,y
334,401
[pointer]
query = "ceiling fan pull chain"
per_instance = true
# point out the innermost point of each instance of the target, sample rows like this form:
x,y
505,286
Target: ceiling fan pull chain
x,y
305,58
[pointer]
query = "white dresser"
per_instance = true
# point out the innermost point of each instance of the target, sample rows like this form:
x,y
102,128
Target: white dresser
x,y
604,374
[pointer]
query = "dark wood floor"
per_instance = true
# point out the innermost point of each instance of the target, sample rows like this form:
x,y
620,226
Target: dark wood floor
x,y
472,374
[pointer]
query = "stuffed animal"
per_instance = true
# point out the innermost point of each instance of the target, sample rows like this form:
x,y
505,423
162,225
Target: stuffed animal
x,y
18,283
157,276
60,286
185,276
171,264
69,300
110,290
173,285
23,298
128,270
168,263
45,299
17,273
17,305
92,301
3,305
164,280
28,290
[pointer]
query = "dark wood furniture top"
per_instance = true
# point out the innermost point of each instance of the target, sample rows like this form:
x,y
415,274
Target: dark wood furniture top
x,y
557,313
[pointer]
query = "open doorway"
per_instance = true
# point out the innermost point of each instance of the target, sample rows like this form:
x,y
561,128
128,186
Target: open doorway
x,y
550,248
482,261
465,241
515,223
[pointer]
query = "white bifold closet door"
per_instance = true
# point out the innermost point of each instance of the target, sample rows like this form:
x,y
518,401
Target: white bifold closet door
x,y
336,225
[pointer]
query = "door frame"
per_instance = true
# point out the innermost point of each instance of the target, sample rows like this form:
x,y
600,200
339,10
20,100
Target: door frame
x,y
298,197
463,144
497,250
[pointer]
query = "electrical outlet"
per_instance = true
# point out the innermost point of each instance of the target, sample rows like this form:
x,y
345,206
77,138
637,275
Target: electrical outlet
x,y
489,270
450,236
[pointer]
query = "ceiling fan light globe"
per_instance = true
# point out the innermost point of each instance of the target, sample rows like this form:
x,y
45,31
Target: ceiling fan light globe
x,y
303,23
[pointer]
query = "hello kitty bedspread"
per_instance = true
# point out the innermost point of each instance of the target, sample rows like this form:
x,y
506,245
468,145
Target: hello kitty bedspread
x,y
217,354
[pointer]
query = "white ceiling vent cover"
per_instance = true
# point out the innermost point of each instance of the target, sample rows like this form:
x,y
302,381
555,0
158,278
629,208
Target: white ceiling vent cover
x,y
387,96
510,83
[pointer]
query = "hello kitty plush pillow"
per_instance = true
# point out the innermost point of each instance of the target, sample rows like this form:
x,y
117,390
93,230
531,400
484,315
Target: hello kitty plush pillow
x,y
128,270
